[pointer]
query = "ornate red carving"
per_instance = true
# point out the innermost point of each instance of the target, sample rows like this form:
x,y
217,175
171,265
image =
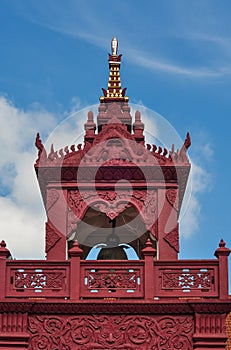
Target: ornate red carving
x,y
110,280
124,170
172,238
100,149
171,195
38,279
112,203
208,323
110,332
52,236
72,221
9,322
111,111
176,307
187,280
52,197
147,203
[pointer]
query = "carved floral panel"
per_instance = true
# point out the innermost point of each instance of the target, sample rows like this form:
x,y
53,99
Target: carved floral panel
x,y
103,332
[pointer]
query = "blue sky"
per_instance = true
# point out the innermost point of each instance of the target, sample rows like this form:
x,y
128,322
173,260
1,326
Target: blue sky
x,y
176,61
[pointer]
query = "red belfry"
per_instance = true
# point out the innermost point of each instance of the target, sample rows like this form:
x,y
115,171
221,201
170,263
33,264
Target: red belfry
x,y
112,278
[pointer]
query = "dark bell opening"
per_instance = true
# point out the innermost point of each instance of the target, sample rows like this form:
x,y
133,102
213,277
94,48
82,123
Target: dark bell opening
x,y
114,253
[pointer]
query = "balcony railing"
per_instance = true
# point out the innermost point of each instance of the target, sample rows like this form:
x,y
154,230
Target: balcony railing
x,y
146,279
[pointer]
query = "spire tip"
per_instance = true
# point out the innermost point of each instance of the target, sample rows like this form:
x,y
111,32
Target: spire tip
x,y
114,46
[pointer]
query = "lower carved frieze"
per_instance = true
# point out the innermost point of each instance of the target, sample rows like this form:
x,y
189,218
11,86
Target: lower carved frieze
x,y
103,332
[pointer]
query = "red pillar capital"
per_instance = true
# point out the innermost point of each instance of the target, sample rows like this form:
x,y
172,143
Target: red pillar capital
x,y
149,253
75,253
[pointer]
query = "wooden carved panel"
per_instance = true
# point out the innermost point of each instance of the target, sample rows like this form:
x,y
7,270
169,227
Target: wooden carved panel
x,y
112,203
171,195
52,197
52,236
172,238
105,332
9,322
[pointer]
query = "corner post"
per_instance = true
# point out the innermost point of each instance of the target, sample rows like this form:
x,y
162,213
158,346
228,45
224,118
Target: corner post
x,y
4,254
222,254
149,254
75,254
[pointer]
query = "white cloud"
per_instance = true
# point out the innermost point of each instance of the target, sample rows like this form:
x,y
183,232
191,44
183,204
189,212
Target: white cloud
x,y
21,210
22,216
199,181
22,227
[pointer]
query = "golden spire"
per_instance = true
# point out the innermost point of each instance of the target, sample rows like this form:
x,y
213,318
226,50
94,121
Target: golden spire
x,y
114,91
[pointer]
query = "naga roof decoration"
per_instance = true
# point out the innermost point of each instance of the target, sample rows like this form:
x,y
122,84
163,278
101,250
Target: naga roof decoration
x,y
130,150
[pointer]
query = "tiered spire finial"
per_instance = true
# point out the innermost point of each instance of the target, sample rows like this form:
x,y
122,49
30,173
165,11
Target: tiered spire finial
x,y
114,91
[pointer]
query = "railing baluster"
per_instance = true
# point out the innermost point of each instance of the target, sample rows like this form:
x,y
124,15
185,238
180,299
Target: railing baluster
x,y
75,253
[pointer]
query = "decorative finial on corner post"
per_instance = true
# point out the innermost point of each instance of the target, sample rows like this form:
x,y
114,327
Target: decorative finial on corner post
x,y
4,252
75,251
148,250
222,250
114,46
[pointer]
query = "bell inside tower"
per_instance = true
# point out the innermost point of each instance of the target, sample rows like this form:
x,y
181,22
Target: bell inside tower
x,y
120,238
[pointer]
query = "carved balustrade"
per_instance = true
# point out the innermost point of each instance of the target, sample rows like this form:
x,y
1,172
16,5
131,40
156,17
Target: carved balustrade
x,y
186,278
106,279
120,279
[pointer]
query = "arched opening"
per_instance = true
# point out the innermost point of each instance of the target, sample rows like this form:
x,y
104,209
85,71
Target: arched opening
x,y
122,238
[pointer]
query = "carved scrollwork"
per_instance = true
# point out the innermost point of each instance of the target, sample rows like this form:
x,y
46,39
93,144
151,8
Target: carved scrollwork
x,y
105,280
110,332
171,195
52,197
52,236
112,203
172,238
187,280
38,280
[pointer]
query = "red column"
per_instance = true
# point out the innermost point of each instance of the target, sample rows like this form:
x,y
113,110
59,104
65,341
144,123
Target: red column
x,y
75,254
4,254
149,254
222,254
